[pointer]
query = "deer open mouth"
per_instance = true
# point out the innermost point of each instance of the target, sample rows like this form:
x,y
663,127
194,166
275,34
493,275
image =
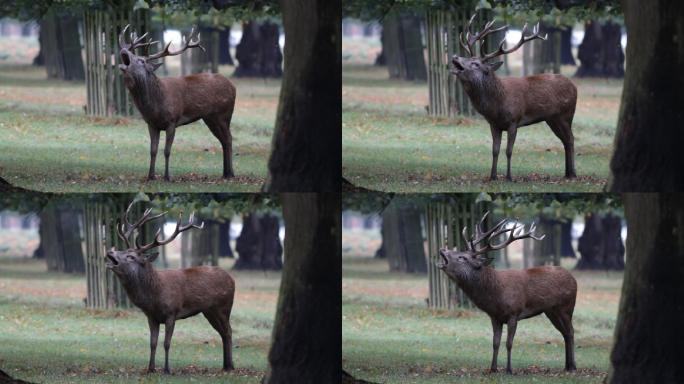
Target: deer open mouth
x,y
125,58
456,66
111,261
441,264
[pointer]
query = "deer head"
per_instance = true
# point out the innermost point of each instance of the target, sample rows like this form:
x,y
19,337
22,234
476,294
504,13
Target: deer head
x,y
476,69
466,265
137,258
139,67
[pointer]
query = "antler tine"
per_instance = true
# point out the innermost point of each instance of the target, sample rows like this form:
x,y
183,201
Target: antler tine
x,y
472,38
157,241
523,39
187,43
516,233
466,240
122,42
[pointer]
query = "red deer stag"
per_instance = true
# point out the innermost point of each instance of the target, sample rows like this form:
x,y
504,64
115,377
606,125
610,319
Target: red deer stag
x,y
168,103
512,295
167,296
510,103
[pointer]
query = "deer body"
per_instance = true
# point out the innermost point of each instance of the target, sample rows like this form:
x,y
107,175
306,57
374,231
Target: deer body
x,y
510,103
512,295
168,103
167,296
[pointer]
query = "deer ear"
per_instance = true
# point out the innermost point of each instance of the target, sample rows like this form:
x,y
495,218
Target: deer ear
x,y
151,257
494,66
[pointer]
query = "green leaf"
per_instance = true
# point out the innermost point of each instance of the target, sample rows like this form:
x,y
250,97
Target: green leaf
x,y
141,4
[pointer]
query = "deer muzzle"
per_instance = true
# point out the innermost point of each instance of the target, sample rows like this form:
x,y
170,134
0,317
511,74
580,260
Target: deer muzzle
x,y
441,264
111,261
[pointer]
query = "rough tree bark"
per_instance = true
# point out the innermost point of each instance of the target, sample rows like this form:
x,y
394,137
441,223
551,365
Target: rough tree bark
x,y
402,238
649,330
649,136
403,47
600,53
307,151
306,342
60,239
600,244
258,245
61,46
258,53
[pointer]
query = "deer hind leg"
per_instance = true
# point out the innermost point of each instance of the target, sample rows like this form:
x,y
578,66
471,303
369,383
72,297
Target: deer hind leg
x,y
496,146
154,146
221,323
496,341
562,320
220,128
562,128
170,134
510,141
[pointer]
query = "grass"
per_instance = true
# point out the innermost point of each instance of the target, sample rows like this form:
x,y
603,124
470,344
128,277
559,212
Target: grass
x,y
49,144
48,336
391,144
390,336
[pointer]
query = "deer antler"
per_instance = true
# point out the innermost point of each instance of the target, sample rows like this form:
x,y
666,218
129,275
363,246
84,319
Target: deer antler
x,y
471,39
179,228
516,232
188,43
125,229
137,41
523,39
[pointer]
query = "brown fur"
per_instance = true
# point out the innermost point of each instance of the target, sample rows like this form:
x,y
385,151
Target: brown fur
x,y
512,295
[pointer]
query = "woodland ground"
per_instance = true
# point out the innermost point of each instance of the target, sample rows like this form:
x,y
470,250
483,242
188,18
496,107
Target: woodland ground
x,y
390,143
49,144
390,336
47,335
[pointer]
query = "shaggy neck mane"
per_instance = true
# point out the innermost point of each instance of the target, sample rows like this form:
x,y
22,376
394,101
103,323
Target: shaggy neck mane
x,y
484,281
145,91
140,287
486,96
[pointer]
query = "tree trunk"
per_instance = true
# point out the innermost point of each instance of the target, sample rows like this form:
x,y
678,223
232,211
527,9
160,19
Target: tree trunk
x,y
224,249
258,245
381,60
649,137
307,155
306,343
61,46
60,238
600,245
224,47
600,53
258,53
566,47
403,47
39,60
649,332
403,238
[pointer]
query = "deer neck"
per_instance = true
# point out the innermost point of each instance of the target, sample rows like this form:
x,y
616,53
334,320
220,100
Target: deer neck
x,y
143,287
148,95
482,288
487,96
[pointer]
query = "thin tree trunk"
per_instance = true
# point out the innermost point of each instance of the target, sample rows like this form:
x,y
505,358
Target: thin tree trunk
x,y
649,331
649,136
224,240
224,47
402,238
307,153
306,343
566,47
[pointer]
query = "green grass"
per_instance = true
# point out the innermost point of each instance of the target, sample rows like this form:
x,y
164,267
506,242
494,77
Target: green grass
x,y
48,336
49,144
390,144
389,335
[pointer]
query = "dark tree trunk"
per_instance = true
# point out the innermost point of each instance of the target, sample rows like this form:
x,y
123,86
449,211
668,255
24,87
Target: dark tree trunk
x,y
649,135
258,245
60,238
307,151
649,331
403,47
566,47
402,237
307,342
224,239
39,60
61,46
600,53
258,53
380,60
600,245
224,47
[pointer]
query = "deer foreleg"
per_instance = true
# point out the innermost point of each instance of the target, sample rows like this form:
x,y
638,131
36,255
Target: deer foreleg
x,y
497,327
168,334
512,324
496,146
170,133
154,335
512,131
154,145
